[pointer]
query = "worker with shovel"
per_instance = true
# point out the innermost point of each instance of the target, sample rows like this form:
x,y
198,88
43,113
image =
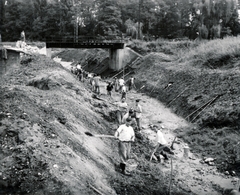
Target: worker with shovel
x,y
161,146
125,134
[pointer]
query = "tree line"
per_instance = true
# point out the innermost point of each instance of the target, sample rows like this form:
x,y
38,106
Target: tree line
x,y
142,19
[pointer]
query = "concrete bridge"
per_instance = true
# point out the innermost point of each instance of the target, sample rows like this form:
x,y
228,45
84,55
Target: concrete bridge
x,y
115,46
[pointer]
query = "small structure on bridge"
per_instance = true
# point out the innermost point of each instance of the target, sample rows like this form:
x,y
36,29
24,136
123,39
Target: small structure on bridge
x,y
115,46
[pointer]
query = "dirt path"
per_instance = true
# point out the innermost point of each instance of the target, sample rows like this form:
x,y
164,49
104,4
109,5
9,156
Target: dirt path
x,y
189,173
200,178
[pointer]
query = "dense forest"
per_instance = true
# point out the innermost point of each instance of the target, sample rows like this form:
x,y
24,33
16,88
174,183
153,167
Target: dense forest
x,y
142,19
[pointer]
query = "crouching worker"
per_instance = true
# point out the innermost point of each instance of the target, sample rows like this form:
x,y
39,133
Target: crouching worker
x,y
122,107
125,134
161,147
130,114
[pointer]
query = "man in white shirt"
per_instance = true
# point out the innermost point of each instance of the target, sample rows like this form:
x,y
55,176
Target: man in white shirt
x,y
124,92
121,83
125,134
96,80
161,145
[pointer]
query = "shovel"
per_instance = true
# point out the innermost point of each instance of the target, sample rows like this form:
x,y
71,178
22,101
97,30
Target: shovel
x,y
140,88
99,135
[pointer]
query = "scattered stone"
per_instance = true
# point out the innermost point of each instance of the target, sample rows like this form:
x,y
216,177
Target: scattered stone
x,y
192,158
207,160
233,173
211,163
55,166
53,135
234,192
226,173
202,161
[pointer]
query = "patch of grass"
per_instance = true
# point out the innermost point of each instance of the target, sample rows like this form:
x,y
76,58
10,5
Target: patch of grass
x,y
176,48
214,53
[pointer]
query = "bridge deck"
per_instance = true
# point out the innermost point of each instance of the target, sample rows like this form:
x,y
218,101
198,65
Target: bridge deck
x,y
84,42
84,45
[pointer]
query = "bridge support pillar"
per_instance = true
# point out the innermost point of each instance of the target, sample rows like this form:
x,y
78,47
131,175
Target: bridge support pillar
x,y
49,52
116,59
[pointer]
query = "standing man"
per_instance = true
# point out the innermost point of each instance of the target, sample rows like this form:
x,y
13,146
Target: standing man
x,y
96,80
79,66
116,84
122,108
109,89
121,83
138,114
80,74
23,36
130,83
126,135
124,92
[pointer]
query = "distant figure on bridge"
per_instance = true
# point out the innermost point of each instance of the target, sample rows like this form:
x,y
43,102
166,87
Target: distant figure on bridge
x,y
23,36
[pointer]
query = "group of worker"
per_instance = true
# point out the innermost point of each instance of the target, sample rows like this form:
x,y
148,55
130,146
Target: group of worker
x,y
126,117
126,132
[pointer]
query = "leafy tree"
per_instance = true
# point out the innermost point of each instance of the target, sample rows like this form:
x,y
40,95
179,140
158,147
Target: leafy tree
x,y
108,17
17,18
162,18
215,15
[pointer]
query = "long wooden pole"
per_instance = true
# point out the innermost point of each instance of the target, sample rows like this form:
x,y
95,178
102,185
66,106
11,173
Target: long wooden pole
x,y
204,108
95,189
170,183
198,109
177,96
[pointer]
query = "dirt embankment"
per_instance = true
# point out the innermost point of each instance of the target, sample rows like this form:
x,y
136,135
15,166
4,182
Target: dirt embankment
x,y
204,96
44,150
45,111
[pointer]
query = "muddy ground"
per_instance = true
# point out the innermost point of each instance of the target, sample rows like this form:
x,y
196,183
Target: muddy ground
x,y
45,111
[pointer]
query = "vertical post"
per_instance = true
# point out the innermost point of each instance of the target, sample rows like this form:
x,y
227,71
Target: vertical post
x,y
115,59
139,19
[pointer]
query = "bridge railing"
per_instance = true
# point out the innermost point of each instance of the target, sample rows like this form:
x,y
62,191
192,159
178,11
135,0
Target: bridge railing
x,y
85,39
